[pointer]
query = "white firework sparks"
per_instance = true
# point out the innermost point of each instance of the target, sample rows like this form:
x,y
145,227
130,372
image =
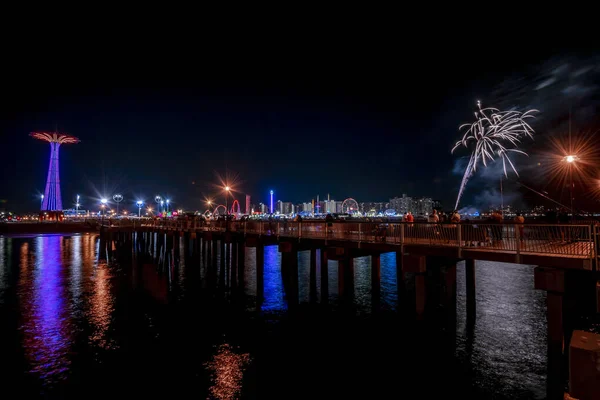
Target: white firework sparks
x,y
496,134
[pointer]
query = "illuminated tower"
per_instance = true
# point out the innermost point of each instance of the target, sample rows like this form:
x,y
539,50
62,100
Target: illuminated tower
x,y
52,200
271,208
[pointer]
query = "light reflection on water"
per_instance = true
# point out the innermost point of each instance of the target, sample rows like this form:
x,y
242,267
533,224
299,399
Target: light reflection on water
x,y
67,298
45,324
227,370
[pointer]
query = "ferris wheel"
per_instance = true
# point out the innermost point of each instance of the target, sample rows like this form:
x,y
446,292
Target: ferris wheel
x,y
350,206
219,210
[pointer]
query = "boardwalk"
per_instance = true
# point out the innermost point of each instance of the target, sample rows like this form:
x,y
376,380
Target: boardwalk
x,y
539,244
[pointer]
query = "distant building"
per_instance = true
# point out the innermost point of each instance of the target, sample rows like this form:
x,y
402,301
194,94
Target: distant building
x,y
417,206
330,207
373,207
263,208
422,206
307,208
286,207
338,207
401,204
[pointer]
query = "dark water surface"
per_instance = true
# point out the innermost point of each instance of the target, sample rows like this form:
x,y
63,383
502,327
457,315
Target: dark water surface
x,y
73,325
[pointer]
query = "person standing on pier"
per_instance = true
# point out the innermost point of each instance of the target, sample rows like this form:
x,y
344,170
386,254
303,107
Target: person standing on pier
x,y
520,220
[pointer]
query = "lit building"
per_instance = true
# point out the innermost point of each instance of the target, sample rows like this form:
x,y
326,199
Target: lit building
x,y
287,207
307,208
330,206
422,206
401,204
263,208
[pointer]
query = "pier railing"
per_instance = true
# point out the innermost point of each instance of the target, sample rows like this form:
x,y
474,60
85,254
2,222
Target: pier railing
x,y
570,240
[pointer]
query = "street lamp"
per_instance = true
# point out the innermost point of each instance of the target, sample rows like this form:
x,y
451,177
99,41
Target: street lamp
x,y
42,206
102,206
118,198
167,206
227,190
162,205
158,199
139,204
77,206
570,160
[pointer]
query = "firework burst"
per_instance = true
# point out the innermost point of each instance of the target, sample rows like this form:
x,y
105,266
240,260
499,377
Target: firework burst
x,y
495,134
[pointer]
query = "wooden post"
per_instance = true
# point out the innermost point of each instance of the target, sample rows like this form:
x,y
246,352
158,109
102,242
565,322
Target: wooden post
x,y
470,283
260,265
324,276
313,275
241,263
375,280
401,287
553,282
418,265
234,262
222,264
450,286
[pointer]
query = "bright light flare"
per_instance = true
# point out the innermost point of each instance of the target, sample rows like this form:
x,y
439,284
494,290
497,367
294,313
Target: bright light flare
x,y
230,183
570,159
103,201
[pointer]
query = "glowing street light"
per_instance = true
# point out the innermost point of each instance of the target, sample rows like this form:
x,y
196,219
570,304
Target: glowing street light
x,y
227,190
139,204
42,201
118,198
570,159
167,206
158,199
77,205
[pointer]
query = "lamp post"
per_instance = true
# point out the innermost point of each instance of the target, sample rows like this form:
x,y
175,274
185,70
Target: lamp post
x,y
103,206
118,198
162,206
77,206
42,202
227,190
570,160
139,204
158,199
167,206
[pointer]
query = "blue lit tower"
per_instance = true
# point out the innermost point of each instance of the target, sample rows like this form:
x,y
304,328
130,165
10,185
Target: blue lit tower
x,y
271,208
52,200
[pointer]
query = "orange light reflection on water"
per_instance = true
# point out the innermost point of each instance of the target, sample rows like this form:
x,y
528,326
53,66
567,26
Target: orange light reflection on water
x,y
227,370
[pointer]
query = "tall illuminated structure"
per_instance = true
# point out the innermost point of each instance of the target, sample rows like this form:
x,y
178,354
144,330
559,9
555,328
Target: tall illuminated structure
x,y
52,200
271,208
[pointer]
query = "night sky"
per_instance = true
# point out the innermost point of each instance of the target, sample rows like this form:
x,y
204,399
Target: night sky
x,y
368,124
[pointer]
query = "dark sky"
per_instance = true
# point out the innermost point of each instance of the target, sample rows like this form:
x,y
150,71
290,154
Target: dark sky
x,y
369,123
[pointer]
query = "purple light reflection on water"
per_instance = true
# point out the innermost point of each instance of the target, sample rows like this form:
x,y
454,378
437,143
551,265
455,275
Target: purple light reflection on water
x,y
45,323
